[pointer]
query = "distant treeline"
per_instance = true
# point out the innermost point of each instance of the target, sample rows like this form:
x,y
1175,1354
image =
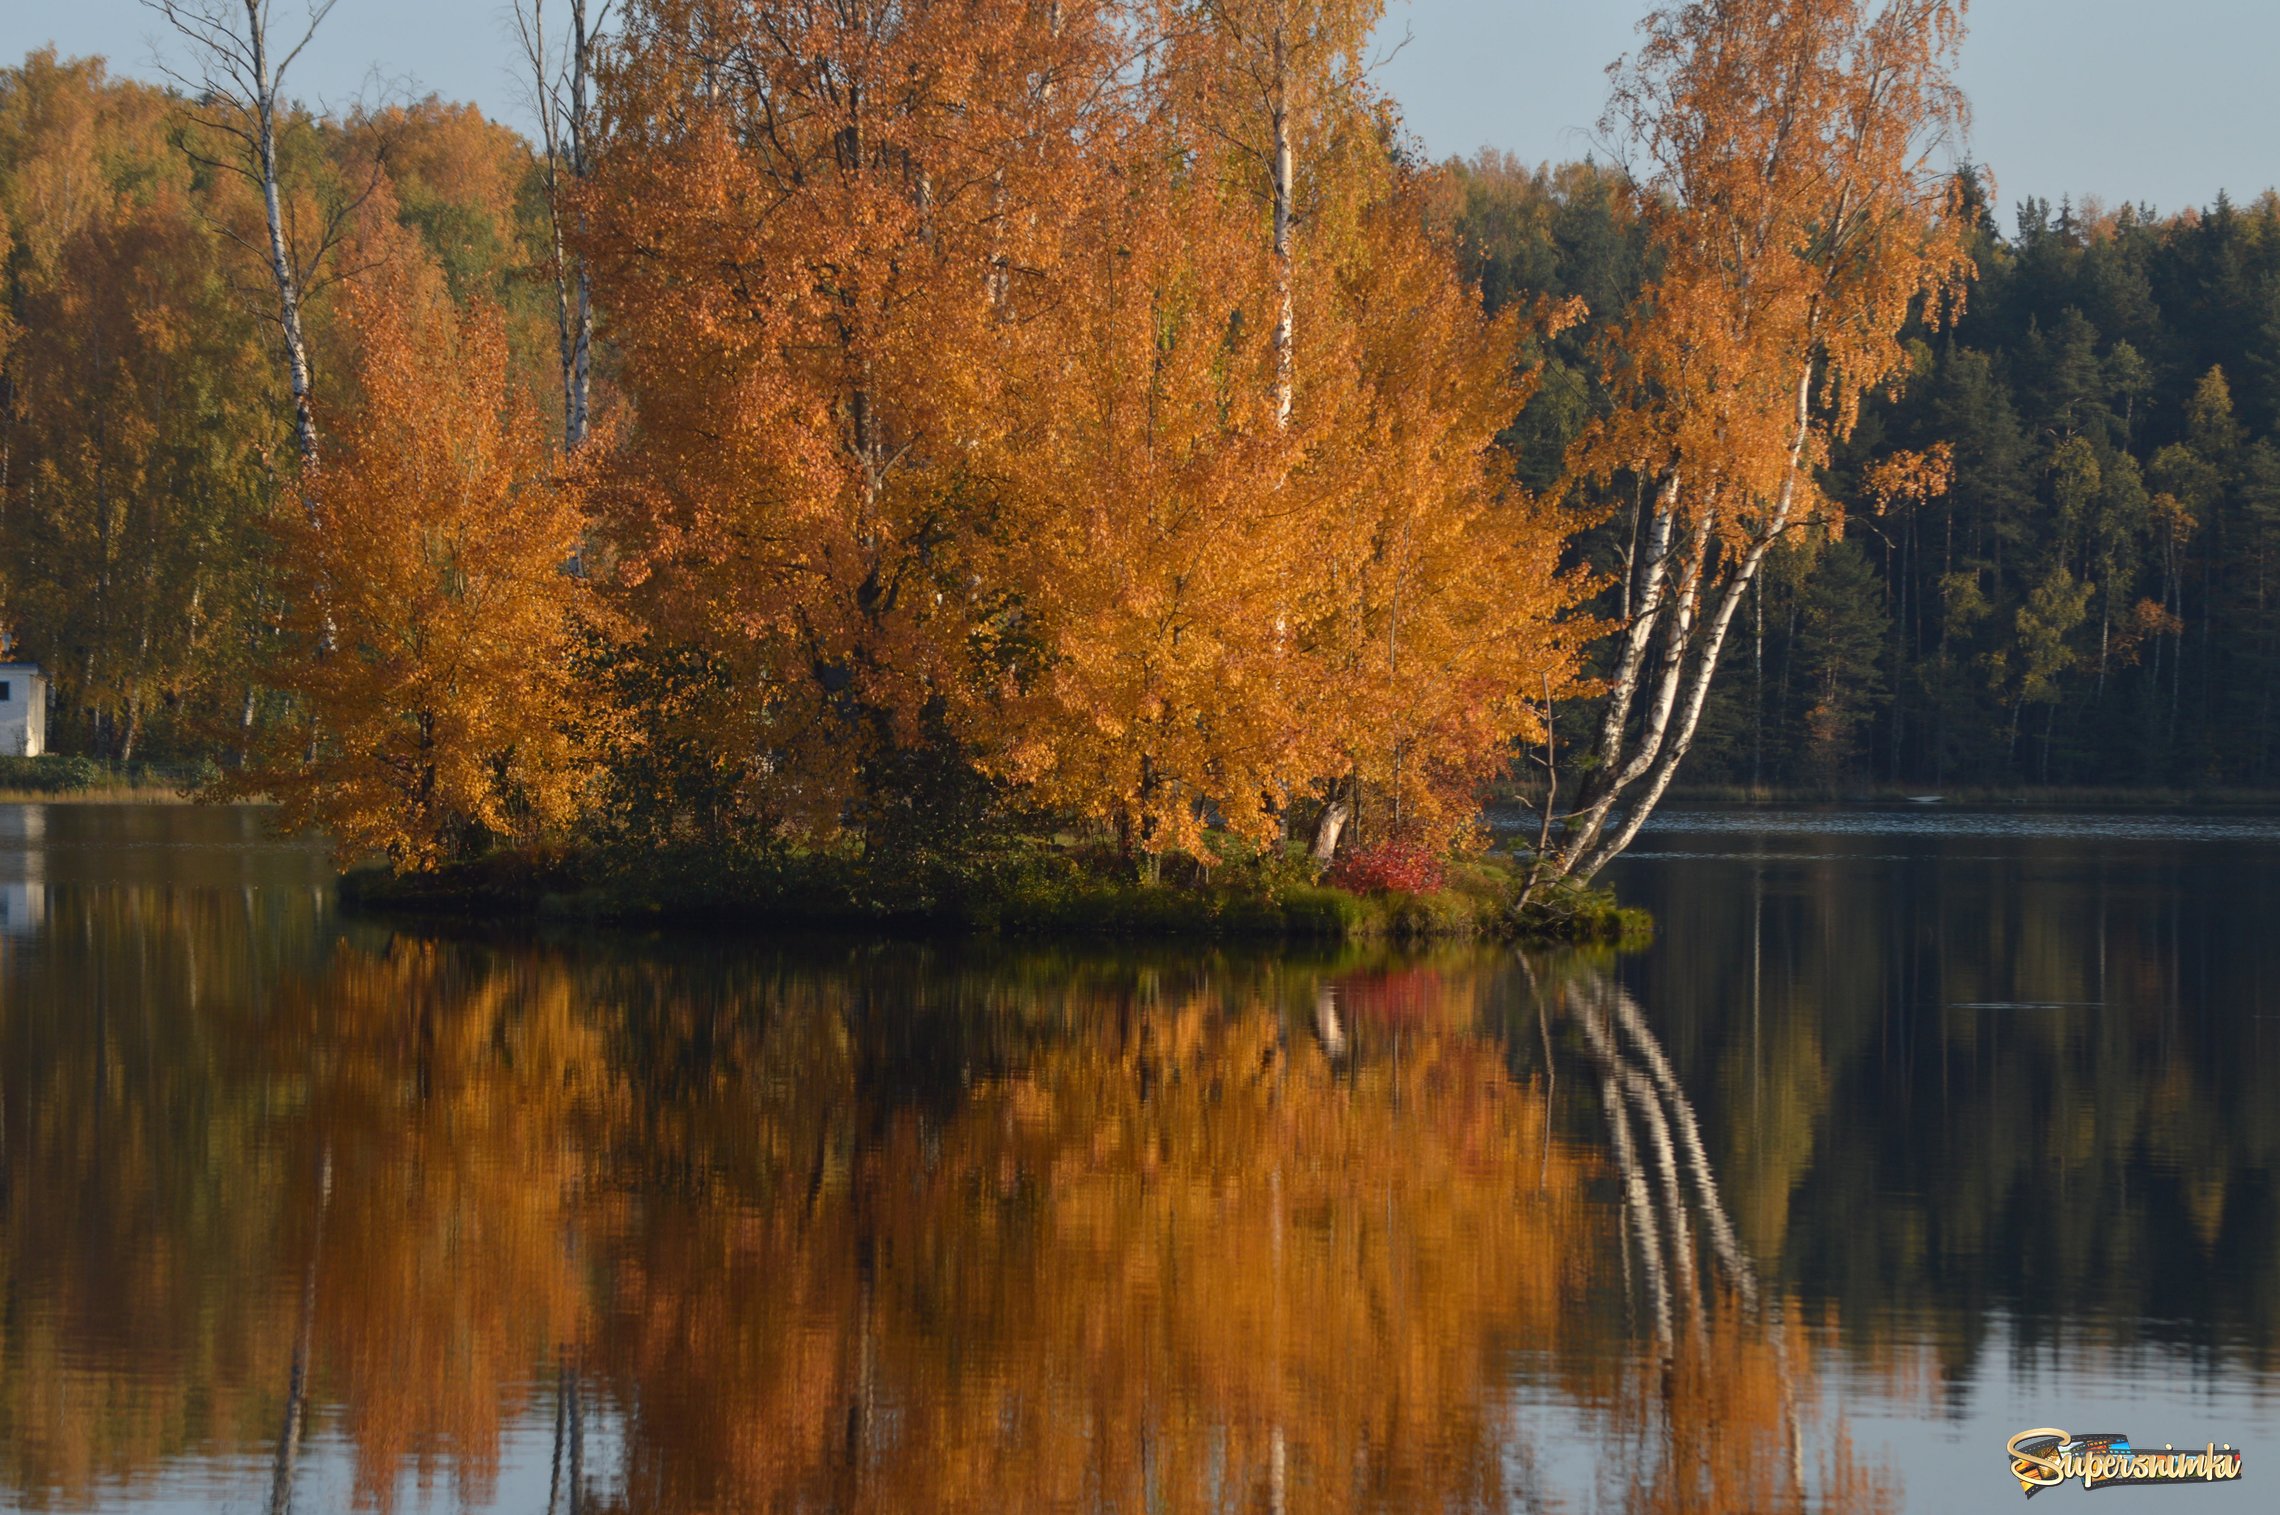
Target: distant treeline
x,y
142,454
2094,598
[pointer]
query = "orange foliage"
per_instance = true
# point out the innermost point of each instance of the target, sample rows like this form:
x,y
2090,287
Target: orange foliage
x,y
1439,623
428,607
1795,202
1148,549
456,173
135,412
808,222
958,416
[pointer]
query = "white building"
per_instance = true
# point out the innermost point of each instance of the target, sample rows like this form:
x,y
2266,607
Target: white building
x,y
23,710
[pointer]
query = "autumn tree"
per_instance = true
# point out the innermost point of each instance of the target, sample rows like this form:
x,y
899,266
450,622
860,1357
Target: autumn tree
x,y
437,721
1438,632
1269,76
1142,672
1276,96
1785,155
812,220
1223,613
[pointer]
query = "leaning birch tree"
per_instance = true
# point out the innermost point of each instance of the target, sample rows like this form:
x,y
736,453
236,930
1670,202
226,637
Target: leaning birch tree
x,y
1791,162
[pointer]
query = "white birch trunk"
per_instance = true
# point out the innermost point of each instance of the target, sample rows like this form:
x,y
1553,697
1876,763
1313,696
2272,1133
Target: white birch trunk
x,y
1659,764
1336,814
579,379
1283,171
563,127
280,260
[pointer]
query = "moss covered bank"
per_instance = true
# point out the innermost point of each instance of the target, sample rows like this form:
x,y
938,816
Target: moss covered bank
x,y
1034,892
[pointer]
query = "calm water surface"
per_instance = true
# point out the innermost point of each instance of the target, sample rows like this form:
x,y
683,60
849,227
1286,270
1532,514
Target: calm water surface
x,y
1913,1129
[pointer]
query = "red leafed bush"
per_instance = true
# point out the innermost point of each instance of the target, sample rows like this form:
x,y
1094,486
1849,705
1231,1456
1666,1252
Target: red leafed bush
x,y
1388,868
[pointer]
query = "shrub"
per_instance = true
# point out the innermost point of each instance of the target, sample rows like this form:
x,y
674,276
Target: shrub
x,y
50,774
1389,868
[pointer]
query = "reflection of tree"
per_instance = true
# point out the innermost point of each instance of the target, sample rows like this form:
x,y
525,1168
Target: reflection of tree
x,y
1166,1240
219,1194
887,1229
1733,1387
136,1219
447,1082
1635,1077
2015,1077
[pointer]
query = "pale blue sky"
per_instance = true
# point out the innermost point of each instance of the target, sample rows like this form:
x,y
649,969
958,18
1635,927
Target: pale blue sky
x,y
2164,101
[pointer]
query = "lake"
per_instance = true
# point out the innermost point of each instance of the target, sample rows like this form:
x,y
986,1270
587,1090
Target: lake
x,y
1913,1130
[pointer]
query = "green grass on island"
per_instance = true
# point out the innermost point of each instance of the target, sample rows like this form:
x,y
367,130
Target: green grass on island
x,y
1025,888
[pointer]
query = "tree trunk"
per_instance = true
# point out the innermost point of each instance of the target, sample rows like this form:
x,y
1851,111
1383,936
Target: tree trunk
x,y
280,260
1283,170
1639,634
1757,687
563,136
1337,814
1679,693
575,419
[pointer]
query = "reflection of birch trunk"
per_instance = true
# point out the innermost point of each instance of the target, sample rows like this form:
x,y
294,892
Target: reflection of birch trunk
x,y
1666,1157
1722,1239
289,1434
1638,1209
1327,1026
1617,1082
567,1493
1597,1006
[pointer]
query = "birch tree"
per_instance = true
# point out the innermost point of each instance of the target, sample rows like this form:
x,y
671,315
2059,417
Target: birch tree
x,y
816,222
239,80
1272,70
1272,79
1789,157
433,725
561,80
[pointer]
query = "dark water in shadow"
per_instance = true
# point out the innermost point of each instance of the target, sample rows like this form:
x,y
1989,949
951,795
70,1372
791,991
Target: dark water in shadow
x,y
1912,1131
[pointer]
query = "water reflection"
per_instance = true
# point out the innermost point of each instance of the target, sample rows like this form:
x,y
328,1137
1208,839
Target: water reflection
x,y
23,870
1955,1083
891,1228
298,1213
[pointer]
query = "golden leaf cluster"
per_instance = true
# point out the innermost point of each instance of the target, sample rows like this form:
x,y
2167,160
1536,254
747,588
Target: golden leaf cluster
x,y
952,376
426,613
